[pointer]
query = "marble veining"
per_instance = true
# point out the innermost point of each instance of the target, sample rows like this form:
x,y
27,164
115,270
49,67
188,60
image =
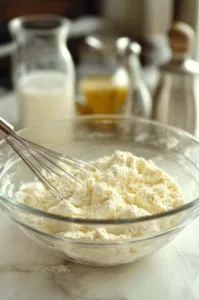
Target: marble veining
x,y
29,272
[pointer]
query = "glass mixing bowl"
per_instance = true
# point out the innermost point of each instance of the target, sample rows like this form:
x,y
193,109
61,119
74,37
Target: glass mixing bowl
x,y
173,150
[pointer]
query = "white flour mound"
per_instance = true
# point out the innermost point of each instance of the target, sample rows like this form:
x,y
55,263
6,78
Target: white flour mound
x,y
122,186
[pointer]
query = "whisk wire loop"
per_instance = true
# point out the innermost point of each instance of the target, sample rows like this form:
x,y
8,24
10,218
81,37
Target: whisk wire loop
x,y
39,158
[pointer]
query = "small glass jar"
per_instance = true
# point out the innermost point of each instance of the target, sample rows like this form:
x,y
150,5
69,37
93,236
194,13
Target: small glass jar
x,y
42,70
109,78
102,80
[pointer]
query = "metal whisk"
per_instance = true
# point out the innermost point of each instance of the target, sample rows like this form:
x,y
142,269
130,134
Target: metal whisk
x,y
38,157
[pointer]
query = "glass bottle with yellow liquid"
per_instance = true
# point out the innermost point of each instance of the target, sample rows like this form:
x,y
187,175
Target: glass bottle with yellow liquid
x,y
103,82
103,94
107,78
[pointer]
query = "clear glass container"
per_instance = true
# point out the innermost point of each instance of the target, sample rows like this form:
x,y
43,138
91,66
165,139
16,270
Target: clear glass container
x,y
171,149
42,70
139,102
109,80
103,82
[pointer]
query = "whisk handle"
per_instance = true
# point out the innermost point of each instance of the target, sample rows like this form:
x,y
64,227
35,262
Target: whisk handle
x,y
6,127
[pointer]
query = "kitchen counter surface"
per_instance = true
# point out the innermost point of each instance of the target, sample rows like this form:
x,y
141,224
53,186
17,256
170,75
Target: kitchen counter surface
x,y
28,272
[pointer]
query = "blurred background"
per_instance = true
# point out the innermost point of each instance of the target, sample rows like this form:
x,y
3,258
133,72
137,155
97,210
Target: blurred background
x,y
144,21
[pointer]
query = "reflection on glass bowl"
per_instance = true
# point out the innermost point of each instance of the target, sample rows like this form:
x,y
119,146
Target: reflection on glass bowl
x,y
87,138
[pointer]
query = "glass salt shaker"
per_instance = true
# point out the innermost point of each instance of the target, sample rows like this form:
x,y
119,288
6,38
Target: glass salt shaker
x,y
176,97
139,102
42,68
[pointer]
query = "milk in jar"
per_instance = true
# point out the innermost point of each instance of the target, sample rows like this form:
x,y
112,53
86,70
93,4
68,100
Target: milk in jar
x,y
43,71
43,96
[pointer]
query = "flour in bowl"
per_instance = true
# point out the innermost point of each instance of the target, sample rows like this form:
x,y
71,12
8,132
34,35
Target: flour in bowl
x,y
122,186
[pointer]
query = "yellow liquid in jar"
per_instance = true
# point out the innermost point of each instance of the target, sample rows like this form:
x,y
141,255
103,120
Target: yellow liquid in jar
x,y
103,95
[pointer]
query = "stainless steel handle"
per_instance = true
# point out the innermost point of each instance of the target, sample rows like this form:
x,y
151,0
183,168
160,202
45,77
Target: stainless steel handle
x,y
6,127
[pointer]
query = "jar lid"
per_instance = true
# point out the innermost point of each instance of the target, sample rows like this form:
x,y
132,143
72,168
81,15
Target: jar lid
x,y
181,38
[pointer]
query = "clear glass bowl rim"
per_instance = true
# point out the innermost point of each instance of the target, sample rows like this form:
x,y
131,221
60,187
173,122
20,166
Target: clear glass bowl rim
x,y
28,209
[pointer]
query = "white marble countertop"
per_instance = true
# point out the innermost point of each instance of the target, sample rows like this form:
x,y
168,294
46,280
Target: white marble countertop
x,y
28,272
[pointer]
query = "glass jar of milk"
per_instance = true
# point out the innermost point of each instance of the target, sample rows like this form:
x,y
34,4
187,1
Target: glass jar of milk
x,y
43,71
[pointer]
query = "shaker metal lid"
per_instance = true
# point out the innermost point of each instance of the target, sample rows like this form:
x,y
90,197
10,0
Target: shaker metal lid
x,y
181,39
114,44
